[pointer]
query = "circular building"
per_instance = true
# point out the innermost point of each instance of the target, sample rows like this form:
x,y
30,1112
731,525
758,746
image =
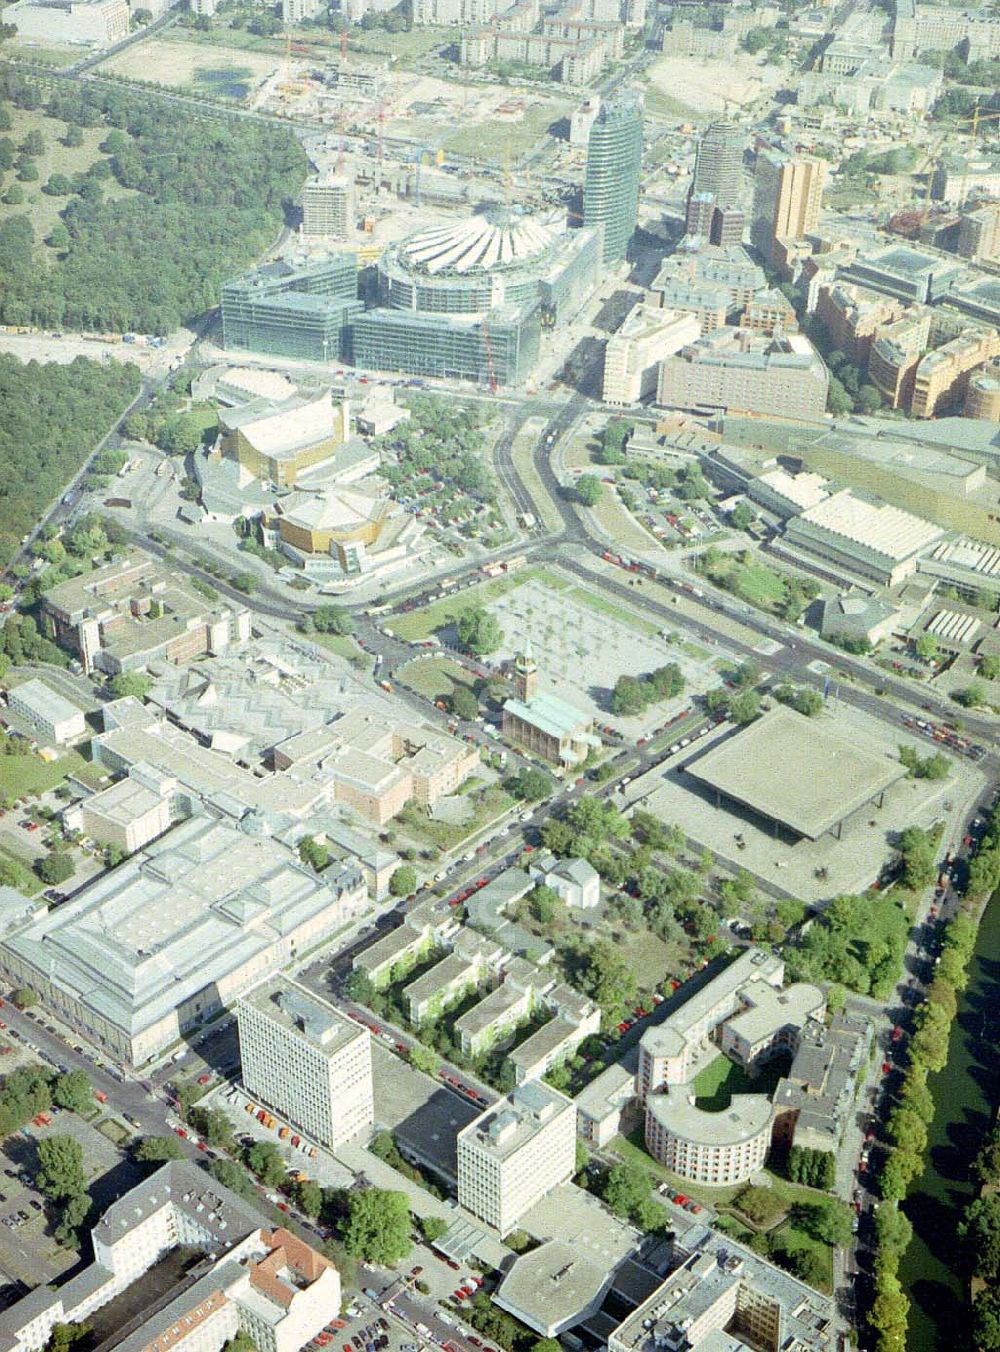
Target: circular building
x,y
500,257
982,397
715,1149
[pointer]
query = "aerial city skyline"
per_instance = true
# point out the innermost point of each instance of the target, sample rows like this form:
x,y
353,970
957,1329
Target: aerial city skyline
x,y
500,676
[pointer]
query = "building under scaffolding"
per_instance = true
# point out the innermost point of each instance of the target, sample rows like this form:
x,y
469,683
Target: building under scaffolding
x,y
293,311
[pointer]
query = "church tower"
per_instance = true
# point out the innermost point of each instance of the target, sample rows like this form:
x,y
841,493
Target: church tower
x,y
525,674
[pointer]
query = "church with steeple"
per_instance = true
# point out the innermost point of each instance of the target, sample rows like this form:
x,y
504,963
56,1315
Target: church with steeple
x,y
542,722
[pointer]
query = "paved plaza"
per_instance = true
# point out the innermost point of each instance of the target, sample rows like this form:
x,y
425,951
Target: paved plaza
x,y
583,646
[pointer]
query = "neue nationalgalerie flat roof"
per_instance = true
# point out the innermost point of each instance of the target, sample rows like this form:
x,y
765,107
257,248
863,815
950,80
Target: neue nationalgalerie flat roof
x,y
794,771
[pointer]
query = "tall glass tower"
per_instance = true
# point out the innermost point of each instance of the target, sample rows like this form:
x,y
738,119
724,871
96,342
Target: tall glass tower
x,y
614,165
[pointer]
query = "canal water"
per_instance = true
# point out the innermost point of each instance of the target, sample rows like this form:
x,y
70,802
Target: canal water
x,y
965,1094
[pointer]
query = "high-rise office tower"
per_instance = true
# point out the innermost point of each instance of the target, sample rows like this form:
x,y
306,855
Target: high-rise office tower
x,y
713,204
787,197
328,207
614,165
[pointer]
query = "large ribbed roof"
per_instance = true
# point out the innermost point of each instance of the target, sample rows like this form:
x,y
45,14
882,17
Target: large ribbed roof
x,y
490,240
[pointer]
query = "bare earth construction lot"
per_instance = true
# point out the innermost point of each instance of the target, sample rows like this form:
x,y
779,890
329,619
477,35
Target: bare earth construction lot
x,y
698,83
185,64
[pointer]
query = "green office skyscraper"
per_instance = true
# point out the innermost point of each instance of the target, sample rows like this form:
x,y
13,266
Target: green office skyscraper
x,y
614,164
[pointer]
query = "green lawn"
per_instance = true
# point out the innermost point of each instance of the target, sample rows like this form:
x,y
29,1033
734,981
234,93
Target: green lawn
x,y
20,775
45,56
490,804
411,46
26,880
341,644
759,585
523,456
418,624
717,1083
434,677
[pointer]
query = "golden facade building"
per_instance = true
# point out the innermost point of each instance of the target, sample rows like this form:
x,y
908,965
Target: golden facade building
x,y
277,441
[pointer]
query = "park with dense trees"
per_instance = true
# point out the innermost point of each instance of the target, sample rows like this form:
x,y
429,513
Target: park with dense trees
x,y
51,416
206,197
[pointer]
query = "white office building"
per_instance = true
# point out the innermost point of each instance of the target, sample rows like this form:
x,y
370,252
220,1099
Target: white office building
x,y
515,1153
52,716
306,1061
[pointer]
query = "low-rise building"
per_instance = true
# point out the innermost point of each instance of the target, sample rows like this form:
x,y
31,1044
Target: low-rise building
x,y
814,1102
915,275
344,532
129,814
307,1061
855,536
278,440
601,1107
970,566
514,1153
51,715
722,1297
787,494
551,727
134,611
161,945
858,618
376,765
575,881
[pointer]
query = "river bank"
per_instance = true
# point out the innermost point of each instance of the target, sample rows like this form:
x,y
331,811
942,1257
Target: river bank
x,y
966,1093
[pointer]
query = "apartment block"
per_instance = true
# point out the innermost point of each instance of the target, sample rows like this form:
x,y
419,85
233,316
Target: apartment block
x,y
307,1061
402,948
854,317
515,1153
735,370
942,376
250,1278
668,1051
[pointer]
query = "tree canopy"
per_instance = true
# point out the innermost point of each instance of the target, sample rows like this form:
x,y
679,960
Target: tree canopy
x,y
378,1226
50,417
206,197
479,631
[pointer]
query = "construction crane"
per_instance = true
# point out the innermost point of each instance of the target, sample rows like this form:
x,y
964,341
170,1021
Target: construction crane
x,y
910,223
